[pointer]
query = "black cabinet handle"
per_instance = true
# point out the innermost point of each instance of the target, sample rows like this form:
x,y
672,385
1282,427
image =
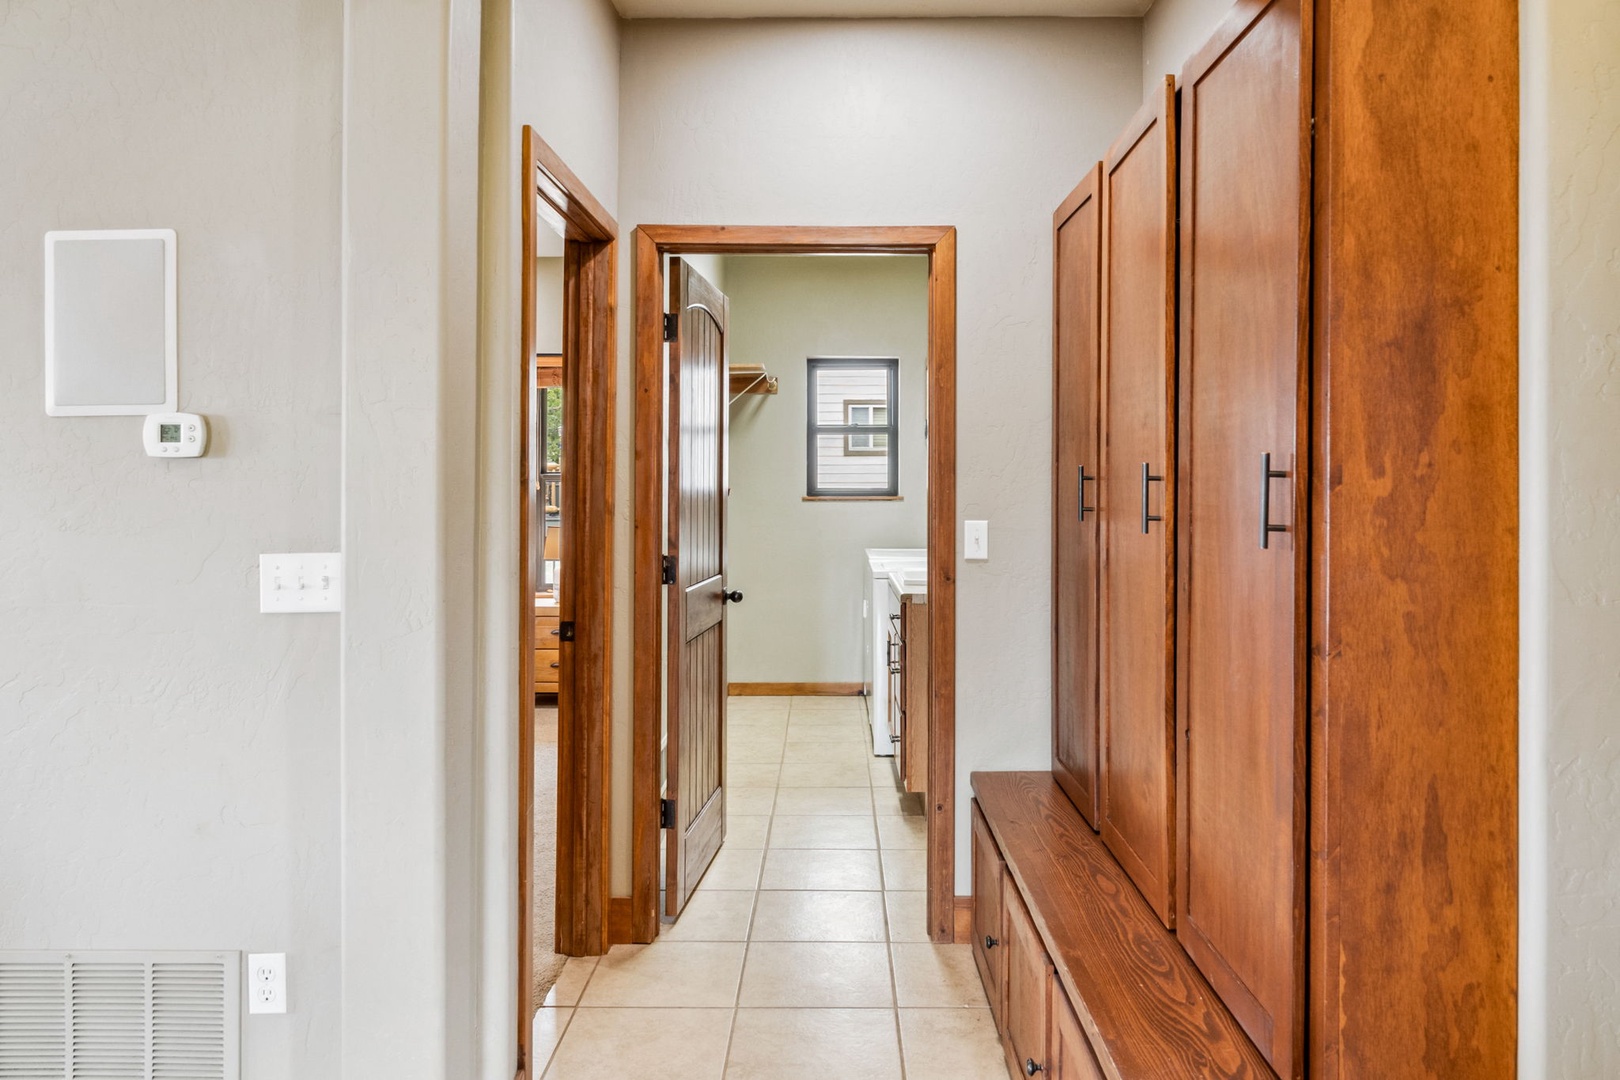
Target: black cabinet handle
x,y
1030,1068
735,596
1084,509
1148,478
990,942
555,633
1267,475
554,663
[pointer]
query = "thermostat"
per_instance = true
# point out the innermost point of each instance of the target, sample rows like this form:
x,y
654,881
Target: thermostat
x,y
175,434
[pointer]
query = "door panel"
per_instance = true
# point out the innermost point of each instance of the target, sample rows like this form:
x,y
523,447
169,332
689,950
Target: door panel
x,y
1072,1058
1243,325
1076,539
1137,713
989,932
695,756
1029,984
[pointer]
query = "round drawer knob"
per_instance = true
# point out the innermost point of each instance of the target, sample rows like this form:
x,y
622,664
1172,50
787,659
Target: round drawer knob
x,y
990,942
1030,1068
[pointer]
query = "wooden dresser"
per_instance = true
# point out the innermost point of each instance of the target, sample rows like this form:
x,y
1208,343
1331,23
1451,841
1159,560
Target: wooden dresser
x,y
546,646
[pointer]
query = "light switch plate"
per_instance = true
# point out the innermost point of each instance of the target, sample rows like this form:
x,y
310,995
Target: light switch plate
x,y
299,582
975,541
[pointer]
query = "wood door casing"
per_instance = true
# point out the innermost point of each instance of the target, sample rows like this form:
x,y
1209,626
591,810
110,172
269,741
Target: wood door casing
x,y
1076,540
1241,623
1136,710
695,757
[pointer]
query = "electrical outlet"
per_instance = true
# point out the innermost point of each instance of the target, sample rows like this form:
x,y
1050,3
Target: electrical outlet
x,y
267,982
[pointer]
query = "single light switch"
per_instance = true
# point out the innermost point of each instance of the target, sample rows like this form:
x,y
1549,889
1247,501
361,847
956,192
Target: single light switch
x,y
976,540
300,582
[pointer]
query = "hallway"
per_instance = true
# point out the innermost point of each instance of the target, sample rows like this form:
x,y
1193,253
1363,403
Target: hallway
x,y
804,951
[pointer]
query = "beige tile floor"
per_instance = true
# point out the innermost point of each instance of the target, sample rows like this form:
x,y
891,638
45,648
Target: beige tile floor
x,y
804,952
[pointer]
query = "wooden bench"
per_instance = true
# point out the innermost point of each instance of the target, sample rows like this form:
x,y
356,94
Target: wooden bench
x,y
1084,980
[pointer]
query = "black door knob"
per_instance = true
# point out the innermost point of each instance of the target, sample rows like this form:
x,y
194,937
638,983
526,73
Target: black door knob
x,y
732,597
1030,1068
990,942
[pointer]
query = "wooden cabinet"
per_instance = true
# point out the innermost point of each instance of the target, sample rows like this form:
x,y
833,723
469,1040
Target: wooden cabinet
x,y
1029,987
1071,1056
989,928
547,645
1245,320
1076,540
1137,501
908,691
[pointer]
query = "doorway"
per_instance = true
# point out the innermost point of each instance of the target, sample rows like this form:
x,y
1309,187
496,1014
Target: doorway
x,y
564,589
653,246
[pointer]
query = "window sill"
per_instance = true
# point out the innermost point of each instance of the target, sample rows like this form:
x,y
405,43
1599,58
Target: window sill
x,y
854,498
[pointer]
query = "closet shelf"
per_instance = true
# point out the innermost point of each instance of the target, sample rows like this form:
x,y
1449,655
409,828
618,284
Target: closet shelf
x,y
751,379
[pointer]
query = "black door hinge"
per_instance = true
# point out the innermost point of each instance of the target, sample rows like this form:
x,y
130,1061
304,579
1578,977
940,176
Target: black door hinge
x,y
668,577
565,631
672,326
666,813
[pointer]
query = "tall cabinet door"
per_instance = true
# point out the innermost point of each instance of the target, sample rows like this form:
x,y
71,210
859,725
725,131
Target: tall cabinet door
x,y
1138,483
1244,278
1077,244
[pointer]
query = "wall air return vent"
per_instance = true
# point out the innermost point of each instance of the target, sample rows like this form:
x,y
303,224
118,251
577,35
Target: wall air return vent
x,y
120,1015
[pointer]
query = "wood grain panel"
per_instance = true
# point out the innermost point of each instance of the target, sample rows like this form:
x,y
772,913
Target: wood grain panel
x,y
1414,766
1244,320
1144,1006
989,927
1076,464
1137,640
1029,986
1071,1054
695,755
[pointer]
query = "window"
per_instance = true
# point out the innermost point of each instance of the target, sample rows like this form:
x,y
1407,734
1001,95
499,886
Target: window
x,y
853,433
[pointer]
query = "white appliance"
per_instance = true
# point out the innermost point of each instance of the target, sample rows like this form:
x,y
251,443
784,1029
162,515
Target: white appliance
x,y
878,605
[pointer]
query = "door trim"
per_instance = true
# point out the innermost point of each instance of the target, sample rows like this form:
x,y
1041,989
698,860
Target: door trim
x,y
651,244
584,699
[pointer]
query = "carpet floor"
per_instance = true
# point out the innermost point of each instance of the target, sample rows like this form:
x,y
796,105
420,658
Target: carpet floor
x,y
543,876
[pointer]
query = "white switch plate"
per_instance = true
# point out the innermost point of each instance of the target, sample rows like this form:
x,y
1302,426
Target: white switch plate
x,y
267,982
975,540
300,582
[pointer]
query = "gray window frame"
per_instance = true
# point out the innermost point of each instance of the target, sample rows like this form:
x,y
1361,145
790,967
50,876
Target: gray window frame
x,y
814,366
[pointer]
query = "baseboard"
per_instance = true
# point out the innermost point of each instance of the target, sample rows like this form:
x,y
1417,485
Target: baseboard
x,y
619,921
794,689
964,920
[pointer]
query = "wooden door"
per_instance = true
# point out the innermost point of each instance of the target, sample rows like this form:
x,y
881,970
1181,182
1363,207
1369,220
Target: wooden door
x,y
1137,640
1244,276
694,762
1077,244
1072,1057
989,932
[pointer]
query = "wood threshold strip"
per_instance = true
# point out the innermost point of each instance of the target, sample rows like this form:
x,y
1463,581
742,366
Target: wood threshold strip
x,y
1145,1007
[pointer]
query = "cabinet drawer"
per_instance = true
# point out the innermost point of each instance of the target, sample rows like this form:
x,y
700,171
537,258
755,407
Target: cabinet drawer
x,y
989,932
546,668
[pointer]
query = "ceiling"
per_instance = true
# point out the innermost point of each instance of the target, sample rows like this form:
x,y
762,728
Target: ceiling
x,y
872,9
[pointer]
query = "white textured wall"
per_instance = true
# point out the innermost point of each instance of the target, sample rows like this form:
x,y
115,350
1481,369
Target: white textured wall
x,y
169,756
1570,778
1172,31
984,124
800,562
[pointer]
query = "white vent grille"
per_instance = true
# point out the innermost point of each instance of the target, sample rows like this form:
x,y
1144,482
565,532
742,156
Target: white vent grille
x,y
120,1016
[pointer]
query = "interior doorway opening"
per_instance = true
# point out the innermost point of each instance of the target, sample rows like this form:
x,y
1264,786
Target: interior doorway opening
x,y
659,486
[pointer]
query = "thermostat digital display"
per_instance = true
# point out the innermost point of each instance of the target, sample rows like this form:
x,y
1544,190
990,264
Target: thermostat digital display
x,y
175,435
